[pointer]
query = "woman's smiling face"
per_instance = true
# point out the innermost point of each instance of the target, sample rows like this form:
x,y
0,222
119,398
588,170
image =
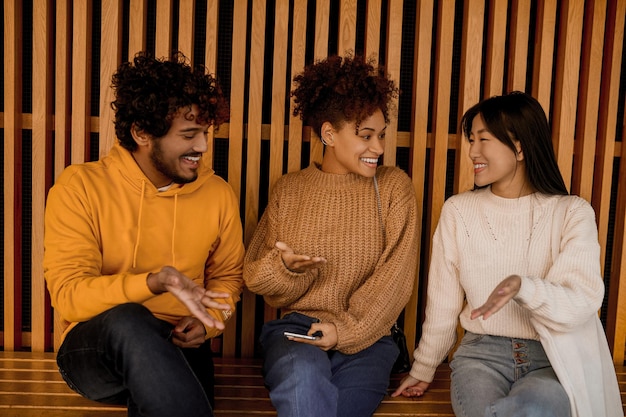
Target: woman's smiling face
x,y
494,162
355,151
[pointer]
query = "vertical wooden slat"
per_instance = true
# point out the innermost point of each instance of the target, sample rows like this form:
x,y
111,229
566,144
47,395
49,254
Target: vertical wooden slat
x,y
62,108
163,35
298,47
138,17
41,178
186,27
418,142
473,21
372,31
566,86
518,53
616,322
110,58
347,26
601,198
320,51
495,48
440,117
81,79
279,90
392,63
253,169
589,99
235,138
210,61
12,174
544,53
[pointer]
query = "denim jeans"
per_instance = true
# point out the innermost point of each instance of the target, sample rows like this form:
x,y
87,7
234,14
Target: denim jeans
x,y
306,381
125,356
504,377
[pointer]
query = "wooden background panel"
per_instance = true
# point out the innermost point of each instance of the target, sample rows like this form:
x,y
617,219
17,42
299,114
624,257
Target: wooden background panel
x,y
579,89
12,167
41,177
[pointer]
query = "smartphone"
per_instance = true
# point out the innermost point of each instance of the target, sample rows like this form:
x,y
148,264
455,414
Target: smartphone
x,y
315,335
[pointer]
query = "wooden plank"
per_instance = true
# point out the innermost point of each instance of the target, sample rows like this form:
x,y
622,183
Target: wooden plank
x,y
81,81
544,52
566,86
163,35
138,21
210,62
253,169
392,64
589,99
441,117
607,120
110,59
320,51
518,50
12,173
62,97
469,89
372,29
497,29
186,27
419,144
615,326
298,48
347,27
279,91
41,176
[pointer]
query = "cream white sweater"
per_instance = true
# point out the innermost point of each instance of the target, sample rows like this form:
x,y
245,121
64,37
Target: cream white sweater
x,y
552,243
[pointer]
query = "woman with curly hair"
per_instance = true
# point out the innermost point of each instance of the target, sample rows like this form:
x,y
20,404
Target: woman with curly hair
x,y
144,250
336,251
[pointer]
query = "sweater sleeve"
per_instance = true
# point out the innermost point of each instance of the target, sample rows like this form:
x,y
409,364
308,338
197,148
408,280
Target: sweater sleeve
x,y
376,304
73,260
572,290
445,297
223,270
264,270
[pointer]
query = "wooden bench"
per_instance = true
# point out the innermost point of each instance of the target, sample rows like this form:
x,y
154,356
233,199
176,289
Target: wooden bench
x,y
31,386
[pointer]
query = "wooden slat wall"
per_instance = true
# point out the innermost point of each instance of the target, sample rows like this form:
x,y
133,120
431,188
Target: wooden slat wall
x,y
568,54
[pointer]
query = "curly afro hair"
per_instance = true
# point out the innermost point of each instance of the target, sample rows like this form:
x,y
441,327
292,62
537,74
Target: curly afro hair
x,y
149,92
340,90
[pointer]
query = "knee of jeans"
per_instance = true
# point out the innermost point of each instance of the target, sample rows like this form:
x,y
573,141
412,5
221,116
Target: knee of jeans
x,y
130,319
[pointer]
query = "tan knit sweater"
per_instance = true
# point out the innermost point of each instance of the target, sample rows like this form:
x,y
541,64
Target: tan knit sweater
x,y
367,279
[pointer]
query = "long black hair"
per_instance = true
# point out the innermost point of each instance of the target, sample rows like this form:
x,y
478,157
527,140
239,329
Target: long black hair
x,y
518,116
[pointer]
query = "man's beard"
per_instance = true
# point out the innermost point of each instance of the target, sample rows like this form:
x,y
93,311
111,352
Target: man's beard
x,y
157,159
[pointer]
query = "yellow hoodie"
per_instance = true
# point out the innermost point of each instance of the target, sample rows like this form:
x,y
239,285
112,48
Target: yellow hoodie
x,y
107,227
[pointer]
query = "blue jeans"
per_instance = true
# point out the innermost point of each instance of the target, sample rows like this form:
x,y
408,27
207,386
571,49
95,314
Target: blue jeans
x,y
504,377
125,356
305,381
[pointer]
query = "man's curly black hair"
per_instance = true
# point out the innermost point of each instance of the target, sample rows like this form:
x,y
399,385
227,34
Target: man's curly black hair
x,y
149,92
341,89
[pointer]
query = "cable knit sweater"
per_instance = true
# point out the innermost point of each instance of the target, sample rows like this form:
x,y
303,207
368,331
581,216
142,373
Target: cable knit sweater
x,y
368,277
552,243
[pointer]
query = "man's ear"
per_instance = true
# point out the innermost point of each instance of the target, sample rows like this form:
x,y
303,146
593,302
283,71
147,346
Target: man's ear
x,y
140,137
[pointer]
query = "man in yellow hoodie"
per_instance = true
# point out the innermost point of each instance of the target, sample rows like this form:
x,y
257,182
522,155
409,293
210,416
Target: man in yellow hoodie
x,y
144,248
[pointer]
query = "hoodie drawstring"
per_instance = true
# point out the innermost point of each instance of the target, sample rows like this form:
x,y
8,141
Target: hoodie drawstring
x,y
143,192
174,228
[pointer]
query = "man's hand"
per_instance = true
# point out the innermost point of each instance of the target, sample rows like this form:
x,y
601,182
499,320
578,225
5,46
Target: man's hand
x,y
193,296
501,295
188,333
298,263
411,387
